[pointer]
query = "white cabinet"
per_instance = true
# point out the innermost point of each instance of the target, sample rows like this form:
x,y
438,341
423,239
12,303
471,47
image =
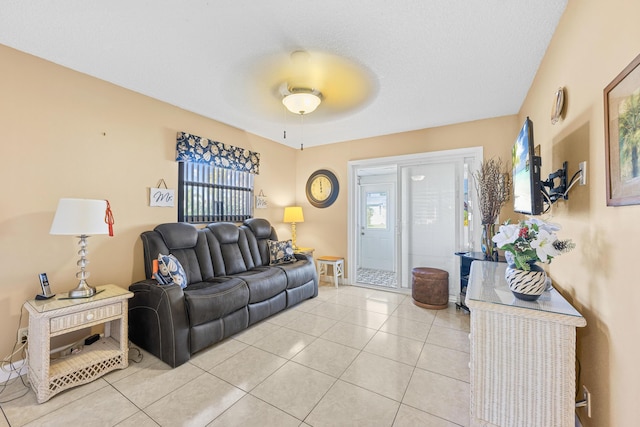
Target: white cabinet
x,y
522,354
59,316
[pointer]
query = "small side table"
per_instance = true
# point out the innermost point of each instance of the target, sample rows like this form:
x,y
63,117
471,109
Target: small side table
x,y
59,316
337,264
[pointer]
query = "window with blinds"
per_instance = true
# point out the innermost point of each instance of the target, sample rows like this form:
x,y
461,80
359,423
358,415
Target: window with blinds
x,y
211,194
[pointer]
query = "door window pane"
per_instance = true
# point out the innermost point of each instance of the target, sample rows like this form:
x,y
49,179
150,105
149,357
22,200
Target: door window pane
x,y
377,210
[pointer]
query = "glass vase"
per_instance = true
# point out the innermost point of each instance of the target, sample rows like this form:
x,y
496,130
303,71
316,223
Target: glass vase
x,y
489,248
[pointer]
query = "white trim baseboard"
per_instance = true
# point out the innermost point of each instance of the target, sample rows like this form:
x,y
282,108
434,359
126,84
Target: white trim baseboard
x,y
19,367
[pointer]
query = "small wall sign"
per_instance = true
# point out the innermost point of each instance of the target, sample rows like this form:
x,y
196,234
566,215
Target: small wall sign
x,y
162,197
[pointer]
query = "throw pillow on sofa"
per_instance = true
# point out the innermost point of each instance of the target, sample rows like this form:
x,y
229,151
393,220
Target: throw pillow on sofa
x,y
280,252
171,270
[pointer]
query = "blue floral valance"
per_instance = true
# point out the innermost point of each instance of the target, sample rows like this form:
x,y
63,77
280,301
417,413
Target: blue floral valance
x,y
192,148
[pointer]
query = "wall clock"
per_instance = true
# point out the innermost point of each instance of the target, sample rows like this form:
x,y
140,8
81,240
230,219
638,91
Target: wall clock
x,y
322,188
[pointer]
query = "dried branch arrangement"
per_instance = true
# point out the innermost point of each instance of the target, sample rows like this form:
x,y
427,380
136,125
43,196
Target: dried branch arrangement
x,y
493,185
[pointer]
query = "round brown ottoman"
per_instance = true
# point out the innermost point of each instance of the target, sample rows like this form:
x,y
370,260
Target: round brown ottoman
x,y
430,287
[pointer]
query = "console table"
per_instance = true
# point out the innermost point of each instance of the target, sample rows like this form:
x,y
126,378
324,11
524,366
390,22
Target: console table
x,y
522,353
466,258
59,316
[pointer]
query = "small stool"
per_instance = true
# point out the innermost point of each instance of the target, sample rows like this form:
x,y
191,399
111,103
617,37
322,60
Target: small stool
x,y
430,287
337,264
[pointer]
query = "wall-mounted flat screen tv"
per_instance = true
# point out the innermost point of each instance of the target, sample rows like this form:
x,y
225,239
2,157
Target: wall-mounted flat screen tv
x,y
527,192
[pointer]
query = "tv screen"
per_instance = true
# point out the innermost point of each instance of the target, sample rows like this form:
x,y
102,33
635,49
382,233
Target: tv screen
x,y
527,192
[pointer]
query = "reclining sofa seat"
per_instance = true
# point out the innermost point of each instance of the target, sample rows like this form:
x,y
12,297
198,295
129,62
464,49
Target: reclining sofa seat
x,y
230,286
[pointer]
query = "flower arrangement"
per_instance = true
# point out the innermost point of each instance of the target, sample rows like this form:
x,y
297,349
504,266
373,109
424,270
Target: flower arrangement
x,y
531,240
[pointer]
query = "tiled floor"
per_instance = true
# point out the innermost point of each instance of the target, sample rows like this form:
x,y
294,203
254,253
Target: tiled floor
x,y
350,357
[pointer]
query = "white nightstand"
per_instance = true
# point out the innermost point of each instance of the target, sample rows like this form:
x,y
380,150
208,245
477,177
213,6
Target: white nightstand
x,y
59,316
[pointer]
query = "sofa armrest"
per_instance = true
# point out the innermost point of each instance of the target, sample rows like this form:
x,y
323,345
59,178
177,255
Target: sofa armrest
x,y
158,321
304,257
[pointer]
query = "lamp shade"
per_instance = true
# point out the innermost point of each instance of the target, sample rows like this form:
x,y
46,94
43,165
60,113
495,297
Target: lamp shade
x,y
293,214
80,217
301,102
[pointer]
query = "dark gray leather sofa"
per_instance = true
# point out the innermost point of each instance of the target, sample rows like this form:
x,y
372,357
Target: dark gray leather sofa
x,y
230,286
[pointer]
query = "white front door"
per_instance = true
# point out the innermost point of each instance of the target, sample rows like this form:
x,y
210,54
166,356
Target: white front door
x,y
377,226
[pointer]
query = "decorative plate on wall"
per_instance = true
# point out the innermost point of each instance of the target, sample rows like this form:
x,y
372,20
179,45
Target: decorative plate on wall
x,y
322,188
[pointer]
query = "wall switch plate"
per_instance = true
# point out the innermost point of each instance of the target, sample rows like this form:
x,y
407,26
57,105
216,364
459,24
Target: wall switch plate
x,y
583,175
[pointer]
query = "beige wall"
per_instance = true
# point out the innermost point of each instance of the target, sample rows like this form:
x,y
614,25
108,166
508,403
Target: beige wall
x,y
594,42
65,134
326,229
58,125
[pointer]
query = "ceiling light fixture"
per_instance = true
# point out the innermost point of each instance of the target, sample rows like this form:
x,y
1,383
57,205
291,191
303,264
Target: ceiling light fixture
x,y
302,101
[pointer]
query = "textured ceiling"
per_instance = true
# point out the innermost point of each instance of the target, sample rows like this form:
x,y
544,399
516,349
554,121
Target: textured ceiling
x,y
421,63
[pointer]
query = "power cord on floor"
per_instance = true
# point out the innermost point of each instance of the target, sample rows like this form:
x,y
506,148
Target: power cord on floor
x,y
138,358
13,370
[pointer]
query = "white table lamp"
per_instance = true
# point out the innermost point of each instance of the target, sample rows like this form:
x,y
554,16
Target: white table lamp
x,y
82,217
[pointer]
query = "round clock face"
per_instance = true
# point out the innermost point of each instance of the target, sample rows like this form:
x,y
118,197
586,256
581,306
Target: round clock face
x,y
322,188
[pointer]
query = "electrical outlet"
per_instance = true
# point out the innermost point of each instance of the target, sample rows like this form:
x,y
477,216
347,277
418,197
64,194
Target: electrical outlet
x,y
586,395
583,176
23,333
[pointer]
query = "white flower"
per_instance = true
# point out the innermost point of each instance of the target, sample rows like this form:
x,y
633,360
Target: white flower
x,y
508,233
543,245
547,226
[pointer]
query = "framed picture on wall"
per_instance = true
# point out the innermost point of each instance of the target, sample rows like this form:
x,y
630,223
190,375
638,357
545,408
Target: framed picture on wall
x,y
622,136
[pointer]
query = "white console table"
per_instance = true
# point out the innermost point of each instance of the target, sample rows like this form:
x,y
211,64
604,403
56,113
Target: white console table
x,y
59,316
522,353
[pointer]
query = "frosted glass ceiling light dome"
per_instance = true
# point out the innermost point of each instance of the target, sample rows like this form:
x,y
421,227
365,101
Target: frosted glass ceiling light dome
x,y
302,101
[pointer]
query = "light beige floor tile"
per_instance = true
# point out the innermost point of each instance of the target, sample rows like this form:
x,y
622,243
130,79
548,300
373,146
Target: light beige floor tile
x,y
248,368
411,417
294,388
4,422
331,310
380,375
326,291
197,403
307,305
150,384
393,297
413,312
450,338
139,419
285,342
349,405
138,360
105,407
441,396
24,407
257,332
218,353
452,319
284,317
349,300
400,349
368,319
311,324
327,356
251,411
377,306
445,361
406,328
349,334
